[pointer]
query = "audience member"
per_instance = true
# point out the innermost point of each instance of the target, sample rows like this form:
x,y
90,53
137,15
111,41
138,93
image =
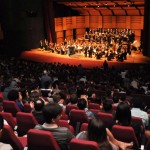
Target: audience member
x,y
14,95
99,133
137,111
123,117
52,114
82,105
37,110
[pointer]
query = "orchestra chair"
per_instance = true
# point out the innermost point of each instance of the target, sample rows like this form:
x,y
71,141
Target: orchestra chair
x,y
64,123
125,134
10,119
25,121
77,117
9,137
77,144
11,107
41,140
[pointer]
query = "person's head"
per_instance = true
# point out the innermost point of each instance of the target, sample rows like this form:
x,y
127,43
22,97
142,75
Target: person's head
x,y
137,103
107,105
123,113
82,104
13,95
52,112
38,104
73,99
97,132
123,97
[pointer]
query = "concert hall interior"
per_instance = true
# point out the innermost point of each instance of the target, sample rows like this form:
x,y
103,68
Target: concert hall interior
x,y
64,60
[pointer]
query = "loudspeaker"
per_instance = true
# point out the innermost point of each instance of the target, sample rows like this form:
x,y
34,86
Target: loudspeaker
x,y
74,34
64,34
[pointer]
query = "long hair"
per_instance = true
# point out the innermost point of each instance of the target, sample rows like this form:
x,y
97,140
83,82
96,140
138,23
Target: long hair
x,y
97,133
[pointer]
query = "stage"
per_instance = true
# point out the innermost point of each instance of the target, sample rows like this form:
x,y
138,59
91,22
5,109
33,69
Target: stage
x,y
38,55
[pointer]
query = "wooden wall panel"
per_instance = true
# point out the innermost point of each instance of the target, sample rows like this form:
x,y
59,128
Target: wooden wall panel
x,y
58,24
121,22
69,33
107,22
80,32
136,22
93,22
68,23
80,22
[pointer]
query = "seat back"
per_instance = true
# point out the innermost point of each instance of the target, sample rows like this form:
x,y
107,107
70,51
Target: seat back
x,y
77,144
9,137
125,134
84,127
139,120
70,107
10,106
9,118
94,106
25,121
106,118
41,140
77,117
27,107
64,123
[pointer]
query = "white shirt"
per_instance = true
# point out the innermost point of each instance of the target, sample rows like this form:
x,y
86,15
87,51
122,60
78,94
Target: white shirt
x,y
137,112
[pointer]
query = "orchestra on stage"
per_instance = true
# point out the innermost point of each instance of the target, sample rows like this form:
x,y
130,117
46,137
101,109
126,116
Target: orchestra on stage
x,y
98,43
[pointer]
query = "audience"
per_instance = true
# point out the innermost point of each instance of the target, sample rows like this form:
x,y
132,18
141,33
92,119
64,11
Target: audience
x,y
16,78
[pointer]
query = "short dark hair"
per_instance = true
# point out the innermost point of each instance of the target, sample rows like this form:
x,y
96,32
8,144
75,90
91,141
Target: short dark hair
x,y
13,95
38,104
51,111
81,103
107,105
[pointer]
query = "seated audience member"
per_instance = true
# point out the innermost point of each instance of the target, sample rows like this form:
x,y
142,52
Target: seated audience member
x,y
123,117
14,95
73,99
59,100
3,146
137,111
99,133
52,114
82,105
37,112
107,107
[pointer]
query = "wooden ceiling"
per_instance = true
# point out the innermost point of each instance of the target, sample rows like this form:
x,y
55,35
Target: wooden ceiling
x,y
106,7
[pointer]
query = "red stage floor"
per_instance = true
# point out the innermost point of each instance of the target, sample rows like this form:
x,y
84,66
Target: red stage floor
x,y
38,55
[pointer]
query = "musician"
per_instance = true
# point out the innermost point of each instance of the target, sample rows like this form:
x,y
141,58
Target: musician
x,y
90,51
